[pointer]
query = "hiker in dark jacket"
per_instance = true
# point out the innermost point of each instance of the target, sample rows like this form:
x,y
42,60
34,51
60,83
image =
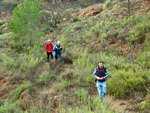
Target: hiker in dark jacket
x,y
49,49
57,51
100,74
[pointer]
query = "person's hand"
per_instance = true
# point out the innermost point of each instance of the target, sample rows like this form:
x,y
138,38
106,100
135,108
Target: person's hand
x,y
99,78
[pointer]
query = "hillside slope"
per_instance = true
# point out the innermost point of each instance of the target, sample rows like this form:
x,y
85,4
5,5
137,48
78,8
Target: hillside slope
x,y
30,84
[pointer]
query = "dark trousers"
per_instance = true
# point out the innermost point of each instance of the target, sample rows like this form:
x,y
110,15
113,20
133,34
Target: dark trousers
x,y
58,55
49,54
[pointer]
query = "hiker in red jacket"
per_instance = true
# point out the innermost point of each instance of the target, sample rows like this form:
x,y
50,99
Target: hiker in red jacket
x,y
49,49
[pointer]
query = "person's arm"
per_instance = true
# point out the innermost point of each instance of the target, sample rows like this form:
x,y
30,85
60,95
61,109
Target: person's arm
x,y
54,48
60,48
107,75
94,75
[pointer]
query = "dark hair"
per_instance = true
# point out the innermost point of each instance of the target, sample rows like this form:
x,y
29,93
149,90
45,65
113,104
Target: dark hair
x,y
101,62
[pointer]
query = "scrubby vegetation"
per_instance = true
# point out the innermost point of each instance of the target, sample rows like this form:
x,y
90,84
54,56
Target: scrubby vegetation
x,y
123,44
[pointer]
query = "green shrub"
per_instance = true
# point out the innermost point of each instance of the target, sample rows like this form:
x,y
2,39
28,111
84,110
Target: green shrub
x,y
67,75
34,109
1,102
134,36
11,107
16,92
91,107
28,62
0,33
75,19
45,76
7,62
25,22
84,68
140,29
82,95
100,29
65,84
126,82
17,46
2,22
87,64
68,56
119,68
64,43
22,62
143,59
147,41
144,105
137,25
108,3
147,99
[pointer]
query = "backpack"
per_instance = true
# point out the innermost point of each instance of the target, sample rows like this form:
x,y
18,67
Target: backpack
x,y
97,70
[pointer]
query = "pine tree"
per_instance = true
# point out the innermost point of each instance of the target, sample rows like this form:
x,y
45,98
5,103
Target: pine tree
x,y
25,22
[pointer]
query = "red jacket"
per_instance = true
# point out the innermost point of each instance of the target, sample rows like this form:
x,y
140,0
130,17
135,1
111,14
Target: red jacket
x,y
49,47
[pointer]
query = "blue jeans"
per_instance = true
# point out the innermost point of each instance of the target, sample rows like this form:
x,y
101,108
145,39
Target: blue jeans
x,y
101,87
58,55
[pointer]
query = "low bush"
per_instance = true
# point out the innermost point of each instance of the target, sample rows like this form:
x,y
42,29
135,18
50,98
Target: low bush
x,y
75,19
16,92
2,22
108,3
7,62
28,62
64,43
132,30
143,58
82,96
10,107
119,68
23,62
45,76
1,102
145,105
87,104
123,83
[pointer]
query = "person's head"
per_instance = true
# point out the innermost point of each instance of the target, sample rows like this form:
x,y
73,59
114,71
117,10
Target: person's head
x,y
49,41
101,63
58,42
